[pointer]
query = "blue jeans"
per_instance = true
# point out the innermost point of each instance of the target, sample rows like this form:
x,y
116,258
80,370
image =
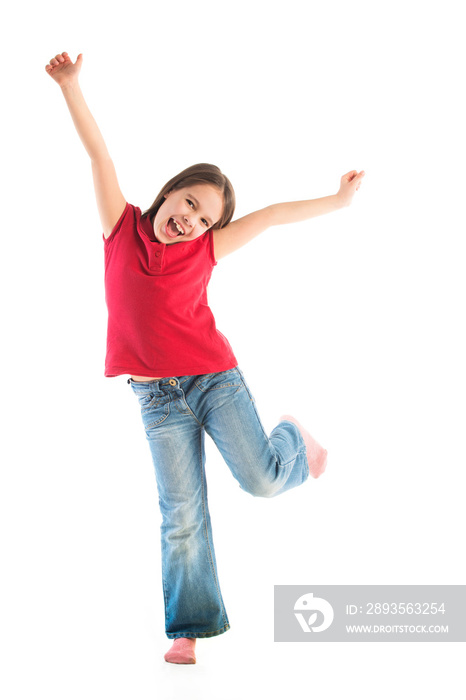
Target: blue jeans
x,y
176,411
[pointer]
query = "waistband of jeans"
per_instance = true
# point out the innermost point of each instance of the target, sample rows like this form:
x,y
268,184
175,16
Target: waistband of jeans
x,y
146,387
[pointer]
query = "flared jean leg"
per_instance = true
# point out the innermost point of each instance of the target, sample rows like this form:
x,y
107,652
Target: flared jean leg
x,y
193,602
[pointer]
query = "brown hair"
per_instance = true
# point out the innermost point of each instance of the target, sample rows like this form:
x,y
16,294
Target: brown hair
x,y
200,174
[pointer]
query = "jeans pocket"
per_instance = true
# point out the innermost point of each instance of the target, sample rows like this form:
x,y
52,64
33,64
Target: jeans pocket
x,y
219,380
147,401
155,407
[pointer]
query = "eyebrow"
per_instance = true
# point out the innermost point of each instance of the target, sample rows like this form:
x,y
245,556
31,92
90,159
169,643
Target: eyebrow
x,y
197,204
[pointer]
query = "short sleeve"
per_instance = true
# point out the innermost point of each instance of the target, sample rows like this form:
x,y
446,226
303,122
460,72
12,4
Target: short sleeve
x,y
118,224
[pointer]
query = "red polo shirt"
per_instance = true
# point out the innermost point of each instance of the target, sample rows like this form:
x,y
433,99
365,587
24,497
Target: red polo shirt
x,y
159,321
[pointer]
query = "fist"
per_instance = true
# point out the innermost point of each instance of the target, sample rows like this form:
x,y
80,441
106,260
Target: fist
x,y
62,69
349,184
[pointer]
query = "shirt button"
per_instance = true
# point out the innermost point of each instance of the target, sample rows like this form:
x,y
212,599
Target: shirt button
x,y
172,382
157,255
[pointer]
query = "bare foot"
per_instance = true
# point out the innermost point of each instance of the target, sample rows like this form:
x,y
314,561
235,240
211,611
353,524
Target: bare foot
x,y
316,455
182,651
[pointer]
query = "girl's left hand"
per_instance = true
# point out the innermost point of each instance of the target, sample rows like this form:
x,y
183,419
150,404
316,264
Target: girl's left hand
x,y
348,185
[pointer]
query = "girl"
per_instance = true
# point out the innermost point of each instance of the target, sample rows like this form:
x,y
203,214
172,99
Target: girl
x,y
183,371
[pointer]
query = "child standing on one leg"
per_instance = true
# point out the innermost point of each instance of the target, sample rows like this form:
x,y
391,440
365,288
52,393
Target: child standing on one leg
x,y
162,333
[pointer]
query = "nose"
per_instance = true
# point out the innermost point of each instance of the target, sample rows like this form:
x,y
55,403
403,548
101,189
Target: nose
x,y
191,223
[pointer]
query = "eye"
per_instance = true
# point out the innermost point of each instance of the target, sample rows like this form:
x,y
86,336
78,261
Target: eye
x,y
191,204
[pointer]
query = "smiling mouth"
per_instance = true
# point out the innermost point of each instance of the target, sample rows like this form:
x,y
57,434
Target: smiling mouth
x,y
174,229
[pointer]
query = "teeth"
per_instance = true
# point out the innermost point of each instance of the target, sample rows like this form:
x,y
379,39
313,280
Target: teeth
x,y
178,227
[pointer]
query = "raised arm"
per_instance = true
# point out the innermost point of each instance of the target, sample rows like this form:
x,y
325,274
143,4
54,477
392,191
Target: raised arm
x,y
110,200
241,231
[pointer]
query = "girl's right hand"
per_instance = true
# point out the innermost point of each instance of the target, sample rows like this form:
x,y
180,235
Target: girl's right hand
x,y
62,69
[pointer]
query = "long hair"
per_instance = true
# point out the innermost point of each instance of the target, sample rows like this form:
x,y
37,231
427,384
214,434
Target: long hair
x,y
200,174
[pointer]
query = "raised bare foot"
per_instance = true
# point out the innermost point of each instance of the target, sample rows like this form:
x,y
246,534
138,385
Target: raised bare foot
x,y
316,455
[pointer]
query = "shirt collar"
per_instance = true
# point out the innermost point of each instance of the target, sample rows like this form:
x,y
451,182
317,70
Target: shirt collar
x,y
145,227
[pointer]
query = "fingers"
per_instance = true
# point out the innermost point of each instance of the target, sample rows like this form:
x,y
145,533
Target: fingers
x,y
360,176
59,58
351,181
349,177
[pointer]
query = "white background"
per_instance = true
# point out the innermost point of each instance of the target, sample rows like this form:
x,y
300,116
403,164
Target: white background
x,y
353,322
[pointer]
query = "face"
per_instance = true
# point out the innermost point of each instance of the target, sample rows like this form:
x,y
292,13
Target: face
x,y
187,213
